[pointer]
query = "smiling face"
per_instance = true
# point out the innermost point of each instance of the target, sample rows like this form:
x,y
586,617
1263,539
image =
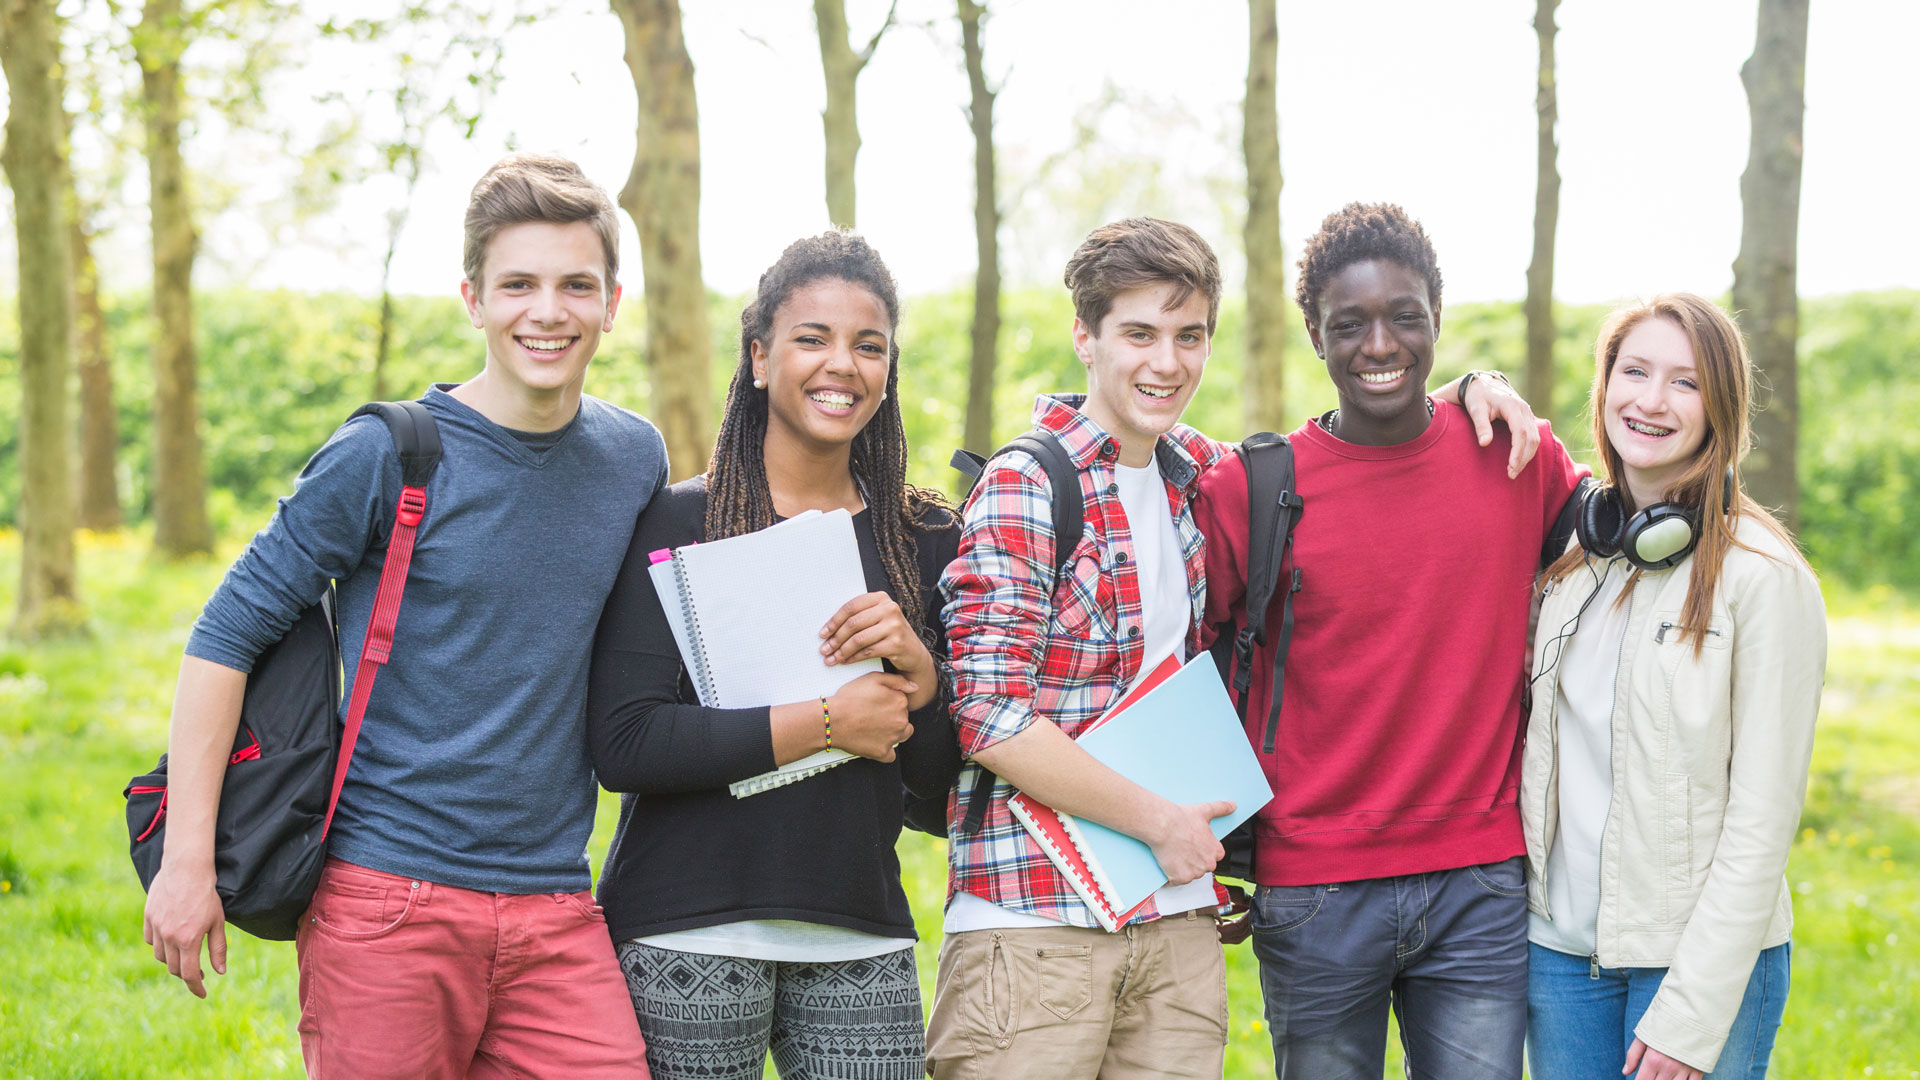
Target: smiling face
x,y
1376,332
1143,365
1654,415
543,301
825,363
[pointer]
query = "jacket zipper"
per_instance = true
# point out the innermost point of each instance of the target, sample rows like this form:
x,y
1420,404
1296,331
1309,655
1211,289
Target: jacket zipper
x,y
1660,635
1613,712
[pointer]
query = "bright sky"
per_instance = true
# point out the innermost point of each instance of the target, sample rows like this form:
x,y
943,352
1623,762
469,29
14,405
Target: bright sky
x,y
1429,105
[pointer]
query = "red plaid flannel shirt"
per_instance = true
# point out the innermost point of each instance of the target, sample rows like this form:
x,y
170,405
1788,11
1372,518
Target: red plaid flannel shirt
x,y
1028,642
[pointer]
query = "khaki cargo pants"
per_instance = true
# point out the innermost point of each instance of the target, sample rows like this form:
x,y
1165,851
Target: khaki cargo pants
x,y
1063,1003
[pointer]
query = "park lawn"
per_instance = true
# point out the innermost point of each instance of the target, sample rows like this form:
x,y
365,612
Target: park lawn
x,y
82,997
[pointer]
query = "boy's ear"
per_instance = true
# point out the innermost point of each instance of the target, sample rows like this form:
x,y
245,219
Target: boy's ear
x,y
1313,335
1082,341
613,305
471,297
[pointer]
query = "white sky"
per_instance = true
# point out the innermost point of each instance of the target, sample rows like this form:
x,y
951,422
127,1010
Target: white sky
x,y
1421,103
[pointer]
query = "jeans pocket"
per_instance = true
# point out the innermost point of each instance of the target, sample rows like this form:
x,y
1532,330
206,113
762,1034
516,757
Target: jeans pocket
x,y
582,902
1505,878
1280,908
1065,975
360,910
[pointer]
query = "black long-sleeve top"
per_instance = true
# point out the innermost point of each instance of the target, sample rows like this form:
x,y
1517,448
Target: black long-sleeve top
x,y
687,854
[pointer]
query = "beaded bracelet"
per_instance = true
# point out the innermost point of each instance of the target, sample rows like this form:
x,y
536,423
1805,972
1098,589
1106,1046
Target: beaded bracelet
x,y
827,719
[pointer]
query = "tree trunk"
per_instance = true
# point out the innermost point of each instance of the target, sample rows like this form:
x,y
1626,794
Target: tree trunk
x,y
99,424
35,166
1764,276
1546,217
662,195
1266,264
383,345
841,67
978,434
180,525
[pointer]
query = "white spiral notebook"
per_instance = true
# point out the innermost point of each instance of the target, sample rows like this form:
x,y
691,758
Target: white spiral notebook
x,y
747,611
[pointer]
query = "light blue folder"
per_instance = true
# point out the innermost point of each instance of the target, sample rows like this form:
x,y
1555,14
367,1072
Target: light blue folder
x,y
1182,741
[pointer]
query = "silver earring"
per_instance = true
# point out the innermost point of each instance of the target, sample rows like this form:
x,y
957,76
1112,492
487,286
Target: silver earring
x,y
883,395
759,384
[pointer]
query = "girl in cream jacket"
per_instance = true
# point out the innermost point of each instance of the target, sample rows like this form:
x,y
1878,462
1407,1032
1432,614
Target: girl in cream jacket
x,y
1679,656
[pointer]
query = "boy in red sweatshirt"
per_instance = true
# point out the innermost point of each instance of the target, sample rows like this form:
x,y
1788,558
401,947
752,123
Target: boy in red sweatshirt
x,y
1388,864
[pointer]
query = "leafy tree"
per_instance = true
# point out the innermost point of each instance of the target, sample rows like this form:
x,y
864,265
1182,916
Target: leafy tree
x,y
986,237
441,60
842,67
1546,216
662,194
34,160
1765,282
1267,307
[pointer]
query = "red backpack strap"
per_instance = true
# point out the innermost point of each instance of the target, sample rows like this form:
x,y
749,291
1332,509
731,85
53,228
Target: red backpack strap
x,y
414,435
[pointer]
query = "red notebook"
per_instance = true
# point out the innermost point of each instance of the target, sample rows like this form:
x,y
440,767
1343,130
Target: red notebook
x,y
1058,834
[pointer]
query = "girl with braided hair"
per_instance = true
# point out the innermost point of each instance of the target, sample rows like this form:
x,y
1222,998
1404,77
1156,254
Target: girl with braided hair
x,y
778,921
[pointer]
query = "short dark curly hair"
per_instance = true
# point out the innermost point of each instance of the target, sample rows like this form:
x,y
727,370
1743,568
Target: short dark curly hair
x,y
1356,233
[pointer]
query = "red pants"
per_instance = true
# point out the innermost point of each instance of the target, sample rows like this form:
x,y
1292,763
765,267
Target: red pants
x,y
404,978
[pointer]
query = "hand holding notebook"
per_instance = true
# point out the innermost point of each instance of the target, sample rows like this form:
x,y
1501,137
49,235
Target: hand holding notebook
x,y
1176,734
746,612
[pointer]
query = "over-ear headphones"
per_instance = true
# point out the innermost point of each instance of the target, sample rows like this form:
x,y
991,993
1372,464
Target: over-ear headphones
x,y
1655,538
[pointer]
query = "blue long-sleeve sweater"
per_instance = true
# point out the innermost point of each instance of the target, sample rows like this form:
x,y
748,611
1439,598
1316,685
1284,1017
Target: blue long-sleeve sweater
x,y
472,767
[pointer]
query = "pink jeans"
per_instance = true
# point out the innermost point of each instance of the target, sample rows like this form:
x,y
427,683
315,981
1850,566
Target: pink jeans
x,y
408,978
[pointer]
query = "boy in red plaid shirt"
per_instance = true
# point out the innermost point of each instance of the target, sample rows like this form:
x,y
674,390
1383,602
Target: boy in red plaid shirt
x,y
1029,985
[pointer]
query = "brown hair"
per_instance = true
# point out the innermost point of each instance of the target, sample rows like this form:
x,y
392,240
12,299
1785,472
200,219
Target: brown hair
x,y
739,500
1137,253
523,188
1726,396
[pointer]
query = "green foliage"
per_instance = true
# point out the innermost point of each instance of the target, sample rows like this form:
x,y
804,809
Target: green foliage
x,y
280,370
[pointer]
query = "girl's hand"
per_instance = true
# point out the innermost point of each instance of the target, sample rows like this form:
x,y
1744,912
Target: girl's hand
x,y
1654,1065
870,715
872,625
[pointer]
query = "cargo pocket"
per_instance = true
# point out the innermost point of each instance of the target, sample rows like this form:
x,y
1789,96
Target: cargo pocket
x,y
1065,978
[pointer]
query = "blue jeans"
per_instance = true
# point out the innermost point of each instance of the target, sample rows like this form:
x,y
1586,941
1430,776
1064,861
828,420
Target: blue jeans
x,y
1579,1024
1447,951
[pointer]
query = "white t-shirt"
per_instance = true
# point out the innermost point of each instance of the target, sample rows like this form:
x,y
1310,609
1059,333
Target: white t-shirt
x,y
783,940
1166,613
1583,717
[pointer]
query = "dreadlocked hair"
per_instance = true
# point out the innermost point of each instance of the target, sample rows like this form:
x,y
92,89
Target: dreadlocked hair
x,y
738,499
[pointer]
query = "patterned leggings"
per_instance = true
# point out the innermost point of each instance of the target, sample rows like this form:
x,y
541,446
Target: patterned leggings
x,y
715,1017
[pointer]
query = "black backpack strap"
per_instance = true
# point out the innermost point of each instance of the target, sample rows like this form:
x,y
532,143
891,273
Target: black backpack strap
x,y
1563,526
1069,525
1273,509
415,436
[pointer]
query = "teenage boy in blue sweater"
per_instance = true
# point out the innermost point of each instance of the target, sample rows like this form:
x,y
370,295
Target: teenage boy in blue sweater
x,y
452,933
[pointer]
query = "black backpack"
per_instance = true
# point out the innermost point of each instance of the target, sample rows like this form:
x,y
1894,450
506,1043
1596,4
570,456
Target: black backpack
x,y
290,754
1069,525
1273,509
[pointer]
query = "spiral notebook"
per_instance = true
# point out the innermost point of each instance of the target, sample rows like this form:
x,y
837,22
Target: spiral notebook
x,y
1176,734
746,612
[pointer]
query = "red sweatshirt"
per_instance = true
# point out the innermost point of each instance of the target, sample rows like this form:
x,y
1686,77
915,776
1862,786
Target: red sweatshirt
x,y
1399,738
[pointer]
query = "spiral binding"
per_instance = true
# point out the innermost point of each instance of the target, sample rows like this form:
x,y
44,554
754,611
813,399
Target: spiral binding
x,y
702,671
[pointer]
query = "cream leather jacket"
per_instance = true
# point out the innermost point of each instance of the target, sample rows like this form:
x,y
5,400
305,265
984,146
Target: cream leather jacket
x,y
1709,773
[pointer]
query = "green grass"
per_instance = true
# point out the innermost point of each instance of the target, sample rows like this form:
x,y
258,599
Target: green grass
x,y
80,996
